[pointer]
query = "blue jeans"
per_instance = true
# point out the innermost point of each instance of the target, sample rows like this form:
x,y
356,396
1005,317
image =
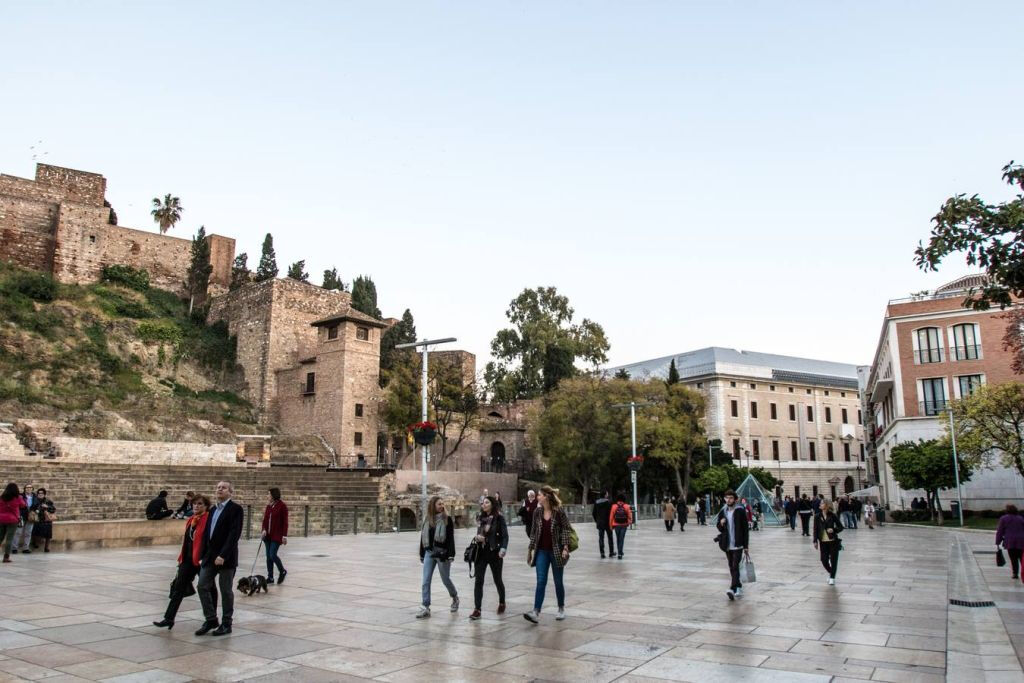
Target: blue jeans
x,y
543,561
620,538
792,520
848,519
273,559
444,569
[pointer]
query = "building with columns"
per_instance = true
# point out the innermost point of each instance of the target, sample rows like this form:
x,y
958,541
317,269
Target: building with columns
x,y
796,417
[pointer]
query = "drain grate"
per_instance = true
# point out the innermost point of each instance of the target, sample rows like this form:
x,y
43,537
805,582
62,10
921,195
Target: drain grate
x,y
967,603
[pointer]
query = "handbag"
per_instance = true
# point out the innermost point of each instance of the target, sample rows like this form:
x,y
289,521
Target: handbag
x,y
470,555
1000,558
751,573
574,539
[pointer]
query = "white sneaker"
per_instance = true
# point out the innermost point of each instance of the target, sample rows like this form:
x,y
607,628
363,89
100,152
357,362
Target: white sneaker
x,y
561,614
533,616
739,592
423,613
831,581
455,604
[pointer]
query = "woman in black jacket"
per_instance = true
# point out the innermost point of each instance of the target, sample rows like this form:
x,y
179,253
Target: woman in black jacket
x,y
492,542
826,538
437,548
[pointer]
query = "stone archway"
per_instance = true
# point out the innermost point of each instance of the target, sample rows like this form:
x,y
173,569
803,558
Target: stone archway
x,y
497,456
407,519
848,485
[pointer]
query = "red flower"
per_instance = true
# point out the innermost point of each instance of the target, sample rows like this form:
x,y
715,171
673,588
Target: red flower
x,y
423,426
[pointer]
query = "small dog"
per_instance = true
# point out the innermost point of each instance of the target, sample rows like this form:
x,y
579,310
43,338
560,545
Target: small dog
x,y
252,584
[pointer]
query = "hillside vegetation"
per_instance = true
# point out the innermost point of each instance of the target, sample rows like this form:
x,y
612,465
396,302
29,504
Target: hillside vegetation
x,y
118,359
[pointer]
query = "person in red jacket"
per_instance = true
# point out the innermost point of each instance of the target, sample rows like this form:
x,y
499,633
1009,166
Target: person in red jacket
x,y
11,504
619,519
275,533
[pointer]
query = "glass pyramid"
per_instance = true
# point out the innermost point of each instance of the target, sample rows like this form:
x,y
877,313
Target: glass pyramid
x,y
752,491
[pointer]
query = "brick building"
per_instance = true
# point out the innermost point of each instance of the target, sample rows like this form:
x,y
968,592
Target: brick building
x,y
59,223
796,417
932,350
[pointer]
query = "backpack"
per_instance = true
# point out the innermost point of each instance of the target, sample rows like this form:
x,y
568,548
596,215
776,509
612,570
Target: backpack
x,y
620,515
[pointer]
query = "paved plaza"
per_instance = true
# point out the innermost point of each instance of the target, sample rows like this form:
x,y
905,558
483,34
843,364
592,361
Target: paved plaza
x,y
347,613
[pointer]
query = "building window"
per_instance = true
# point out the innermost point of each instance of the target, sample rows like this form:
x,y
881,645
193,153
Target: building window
x,y
753,386
846,451
775,450
844,417
792,412
965,342
736,448
771,387
808,391
332,332
700,385
794,450
929,348
814,491
828,414
859,418
862,452
757,449
791,390
310,382
810,413
968,384
359,410
830,452
826,392
773,409
753,409
842,394
358,439
812,450
732,384
363,333
796,491
734,405
92,239
934,393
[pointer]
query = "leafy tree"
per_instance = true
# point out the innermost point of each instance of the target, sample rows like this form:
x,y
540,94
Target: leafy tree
x,y
297,271
267,269
713,480
622,373
542,347
673,373
928,465
671,427
199,269
364,296
166,212
402,332
240,273
332,281
991,421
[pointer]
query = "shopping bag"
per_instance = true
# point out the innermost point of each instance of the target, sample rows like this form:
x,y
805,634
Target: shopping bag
x,y
1000,558
751,574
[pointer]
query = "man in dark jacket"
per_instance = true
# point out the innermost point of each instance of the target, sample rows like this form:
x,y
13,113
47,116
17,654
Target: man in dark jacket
x,y
157,508
790,507
804,509
734,540
219,561
602,510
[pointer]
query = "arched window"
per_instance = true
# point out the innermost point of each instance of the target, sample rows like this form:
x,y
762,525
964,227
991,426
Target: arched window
x,y
497,456
848,485
494,413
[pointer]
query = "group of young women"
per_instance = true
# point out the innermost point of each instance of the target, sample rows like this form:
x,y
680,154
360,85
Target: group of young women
x,y
26,520
549,531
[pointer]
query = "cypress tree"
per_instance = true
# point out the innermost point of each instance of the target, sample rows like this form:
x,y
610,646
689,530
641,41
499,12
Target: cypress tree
x,y
673,374
267,270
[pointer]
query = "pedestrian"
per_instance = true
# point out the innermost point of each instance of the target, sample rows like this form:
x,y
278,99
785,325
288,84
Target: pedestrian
x,y
790,507
483,496
1010,534
492,542
856,506
275,533
499,501
827,527
869,515
23,536
619,520
11,504
219,561
188,559
185,509
437,549
683,513
157,508
45,515
602,508
526,511
549,549
805,511
734,540
668,511
702,512
845,510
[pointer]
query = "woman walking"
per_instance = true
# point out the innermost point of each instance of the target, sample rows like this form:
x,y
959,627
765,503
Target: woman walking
x,y
46,514
682,512
275,533
188,560
1010,534
11,504
526,511
869,515
549,549
668,511
437,548
826,539
492,542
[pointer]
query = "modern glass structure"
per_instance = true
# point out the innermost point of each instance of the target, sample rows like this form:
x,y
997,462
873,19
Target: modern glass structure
x,y
752,491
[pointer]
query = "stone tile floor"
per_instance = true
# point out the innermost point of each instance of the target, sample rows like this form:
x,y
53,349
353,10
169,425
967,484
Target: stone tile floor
x,y
346,613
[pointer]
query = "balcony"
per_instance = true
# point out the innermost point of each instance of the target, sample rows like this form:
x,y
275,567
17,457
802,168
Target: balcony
x,y
923,356
970,352
932,408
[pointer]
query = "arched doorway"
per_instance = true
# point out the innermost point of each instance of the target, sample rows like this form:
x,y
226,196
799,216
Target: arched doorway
x,y
848,485
407,519
497,456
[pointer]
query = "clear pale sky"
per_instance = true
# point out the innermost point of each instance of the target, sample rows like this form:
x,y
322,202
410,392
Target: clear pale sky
x,y
745,174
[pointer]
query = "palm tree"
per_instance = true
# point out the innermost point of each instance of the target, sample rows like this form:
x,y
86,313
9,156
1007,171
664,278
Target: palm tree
x,y
167,212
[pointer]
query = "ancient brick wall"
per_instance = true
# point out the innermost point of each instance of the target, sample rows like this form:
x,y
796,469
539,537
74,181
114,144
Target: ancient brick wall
x,y
247,314
81,187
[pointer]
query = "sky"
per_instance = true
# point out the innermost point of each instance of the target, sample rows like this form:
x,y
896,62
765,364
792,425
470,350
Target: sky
x,y
753,175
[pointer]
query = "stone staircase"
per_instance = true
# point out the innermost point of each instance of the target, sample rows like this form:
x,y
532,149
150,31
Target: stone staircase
x,y
10,447
300,450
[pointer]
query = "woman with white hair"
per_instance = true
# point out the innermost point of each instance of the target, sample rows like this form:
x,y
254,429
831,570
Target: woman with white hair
x,y
526,512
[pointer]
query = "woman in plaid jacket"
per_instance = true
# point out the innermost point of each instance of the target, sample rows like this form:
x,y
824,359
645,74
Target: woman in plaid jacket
x,y
549,549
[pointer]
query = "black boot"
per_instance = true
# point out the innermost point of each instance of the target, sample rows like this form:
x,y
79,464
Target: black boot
x,y
207,626
164,623
223,629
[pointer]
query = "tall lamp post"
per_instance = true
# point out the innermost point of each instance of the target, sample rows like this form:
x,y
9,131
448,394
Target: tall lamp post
x,y
956,465
707,496
425,452
633,462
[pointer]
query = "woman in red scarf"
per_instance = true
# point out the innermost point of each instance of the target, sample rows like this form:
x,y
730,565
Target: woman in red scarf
x,y
188,560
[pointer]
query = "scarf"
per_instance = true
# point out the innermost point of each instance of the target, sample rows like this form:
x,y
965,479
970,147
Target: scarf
x,y
486,523
440,526
196,526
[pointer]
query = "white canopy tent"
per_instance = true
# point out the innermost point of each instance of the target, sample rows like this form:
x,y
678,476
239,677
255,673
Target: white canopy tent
x,y
869,492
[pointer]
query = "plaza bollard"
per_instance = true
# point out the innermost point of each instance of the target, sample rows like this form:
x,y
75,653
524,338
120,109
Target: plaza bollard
x,y
376,519
331,522
355,520
305,520
248,522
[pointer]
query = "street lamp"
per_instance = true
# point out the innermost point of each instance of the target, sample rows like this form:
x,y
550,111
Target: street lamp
x,y
633,405
425,453
956,465
707,496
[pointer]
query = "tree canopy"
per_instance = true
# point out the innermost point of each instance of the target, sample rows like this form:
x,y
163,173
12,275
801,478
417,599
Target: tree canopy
x,y
990,422
199,269
542,346
673,373
166,212
332,281
297,271
267,269
402,332
364,296
240,273
927,465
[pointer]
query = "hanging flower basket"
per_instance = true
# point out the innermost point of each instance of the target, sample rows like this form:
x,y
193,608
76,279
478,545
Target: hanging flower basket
x,y
424,433
635,462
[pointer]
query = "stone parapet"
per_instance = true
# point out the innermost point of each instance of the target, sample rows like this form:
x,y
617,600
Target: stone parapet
x,y
122,533
71,449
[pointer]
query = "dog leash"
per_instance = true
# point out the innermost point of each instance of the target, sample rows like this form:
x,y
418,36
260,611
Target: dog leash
x,y
256,559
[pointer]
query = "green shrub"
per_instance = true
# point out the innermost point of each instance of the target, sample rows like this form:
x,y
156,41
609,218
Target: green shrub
x,y
37,286
158,331
18,391
121,304
166,304
135,278
910,515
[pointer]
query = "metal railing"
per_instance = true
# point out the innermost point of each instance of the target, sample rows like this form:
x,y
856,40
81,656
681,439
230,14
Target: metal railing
x,y
969,352
936,407
924,356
